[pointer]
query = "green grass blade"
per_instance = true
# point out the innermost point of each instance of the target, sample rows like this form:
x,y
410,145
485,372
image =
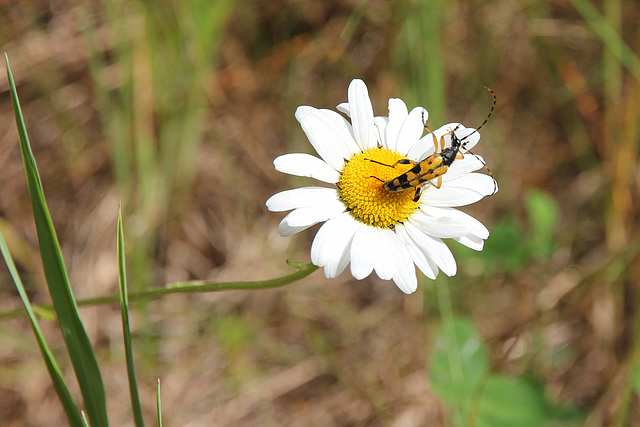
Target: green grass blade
x,y
159,405
126,331
609,36
78,345
418,54
69,405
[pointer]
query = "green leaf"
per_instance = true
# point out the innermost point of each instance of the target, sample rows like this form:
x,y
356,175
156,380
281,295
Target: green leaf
x,y
543,218
126,331
69,405
511,402
459,363
75,337
505,247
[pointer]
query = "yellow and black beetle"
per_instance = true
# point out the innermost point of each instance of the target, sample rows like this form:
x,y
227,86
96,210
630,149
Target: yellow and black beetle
x,y
434,166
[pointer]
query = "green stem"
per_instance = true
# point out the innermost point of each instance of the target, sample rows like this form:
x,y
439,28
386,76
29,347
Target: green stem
x,y
194,286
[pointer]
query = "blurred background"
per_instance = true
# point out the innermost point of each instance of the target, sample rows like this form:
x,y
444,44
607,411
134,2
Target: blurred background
x,y
178,108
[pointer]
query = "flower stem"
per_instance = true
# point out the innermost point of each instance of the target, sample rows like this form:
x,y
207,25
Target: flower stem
x,y
194,286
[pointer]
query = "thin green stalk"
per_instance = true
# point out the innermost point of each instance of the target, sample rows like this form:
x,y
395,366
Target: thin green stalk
x,y
611,67
609,36
126,331
418,51
113,105
194,286
446,311
431,18
159,405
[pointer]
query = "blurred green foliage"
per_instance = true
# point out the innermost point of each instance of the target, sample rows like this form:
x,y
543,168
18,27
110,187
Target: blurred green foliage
x,y
460,373
512,244
459,364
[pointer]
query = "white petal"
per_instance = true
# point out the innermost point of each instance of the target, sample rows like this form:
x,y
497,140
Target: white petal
x,y
478,232
386,257
361,115
342,128
459,167
476,227
344,108
471,241
303,218
301,164
285,230
423,148
443,226
426,265
300,197
433,248
381,123
469,136
330,247
314,214
303,111
363,252
321,134
404,274
397,114
459,192
405,278
412,129
478,182
325,242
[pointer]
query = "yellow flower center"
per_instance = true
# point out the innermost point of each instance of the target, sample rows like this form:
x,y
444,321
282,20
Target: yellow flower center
x,y
362,192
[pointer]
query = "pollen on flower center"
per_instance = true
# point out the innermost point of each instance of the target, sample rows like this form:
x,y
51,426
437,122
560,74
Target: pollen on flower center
x,y
362,192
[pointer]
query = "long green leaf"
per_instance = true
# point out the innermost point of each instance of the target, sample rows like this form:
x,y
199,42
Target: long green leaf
x,y
126,331
78,345
69,405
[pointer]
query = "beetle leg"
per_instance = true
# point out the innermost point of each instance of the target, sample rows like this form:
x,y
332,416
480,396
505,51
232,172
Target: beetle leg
x,y
438,184
435,140
418,193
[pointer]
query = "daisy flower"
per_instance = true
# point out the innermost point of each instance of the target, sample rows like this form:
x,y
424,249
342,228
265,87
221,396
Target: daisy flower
x,y
366,225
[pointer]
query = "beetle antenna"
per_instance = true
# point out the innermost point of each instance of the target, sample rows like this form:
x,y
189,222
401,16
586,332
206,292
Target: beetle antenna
x,y
493,107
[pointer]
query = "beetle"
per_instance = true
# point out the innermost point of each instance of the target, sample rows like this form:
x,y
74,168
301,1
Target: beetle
x,y
434,166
